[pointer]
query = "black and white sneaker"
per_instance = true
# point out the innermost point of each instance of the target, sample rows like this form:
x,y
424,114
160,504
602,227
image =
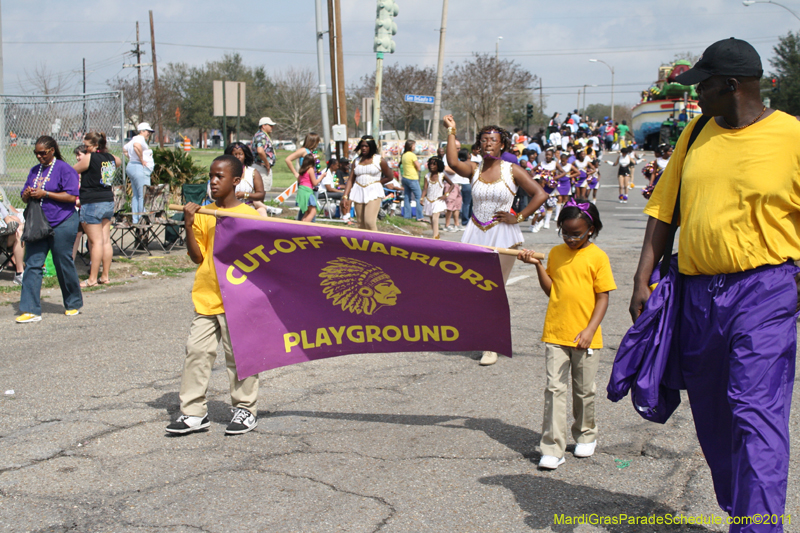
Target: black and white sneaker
x,y
188,424
242,422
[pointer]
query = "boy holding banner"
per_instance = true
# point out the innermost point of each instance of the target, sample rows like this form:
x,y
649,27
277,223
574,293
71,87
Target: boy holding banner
x,y
210,326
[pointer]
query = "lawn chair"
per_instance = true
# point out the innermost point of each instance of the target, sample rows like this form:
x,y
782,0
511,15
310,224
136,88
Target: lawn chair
x,y
122,224
146,230
174,231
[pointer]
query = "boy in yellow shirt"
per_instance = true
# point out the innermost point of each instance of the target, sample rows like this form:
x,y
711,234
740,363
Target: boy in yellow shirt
x,y
209,326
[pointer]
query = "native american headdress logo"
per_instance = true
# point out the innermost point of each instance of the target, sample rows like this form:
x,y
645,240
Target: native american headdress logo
x,y
357,286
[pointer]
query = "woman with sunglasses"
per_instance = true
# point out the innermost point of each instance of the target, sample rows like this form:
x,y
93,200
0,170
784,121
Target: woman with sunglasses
x,y
364,188
56,185
494,184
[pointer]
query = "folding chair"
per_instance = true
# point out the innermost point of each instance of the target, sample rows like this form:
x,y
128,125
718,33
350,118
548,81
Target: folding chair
x,y
175,231
145,231
121,224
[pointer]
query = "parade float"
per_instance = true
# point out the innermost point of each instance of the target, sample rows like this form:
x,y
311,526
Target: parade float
x,y
665,109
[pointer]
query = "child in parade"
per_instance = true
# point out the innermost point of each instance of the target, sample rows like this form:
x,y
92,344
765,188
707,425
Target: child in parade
x,y
566,172
577,279
585,169
454,203
547,172
307,180
626,160
655,168
209,325
433,193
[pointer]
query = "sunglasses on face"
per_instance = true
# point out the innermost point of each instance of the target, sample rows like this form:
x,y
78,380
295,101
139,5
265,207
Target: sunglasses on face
x,y
573,238
42,153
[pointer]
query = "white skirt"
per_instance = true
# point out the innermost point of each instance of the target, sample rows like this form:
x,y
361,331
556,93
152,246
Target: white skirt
x,y
364,195
501,235
437,206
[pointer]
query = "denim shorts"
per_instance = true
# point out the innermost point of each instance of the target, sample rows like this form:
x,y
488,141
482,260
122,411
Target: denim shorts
x,y
97,212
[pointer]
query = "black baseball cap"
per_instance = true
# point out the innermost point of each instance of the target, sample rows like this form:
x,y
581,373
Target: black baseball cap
x,y
729,57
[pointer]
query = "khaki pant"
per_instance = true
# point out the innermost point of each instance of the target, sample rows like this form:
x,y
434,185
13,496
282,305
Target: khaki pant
x,y
205,334
266,175
561,361
367,214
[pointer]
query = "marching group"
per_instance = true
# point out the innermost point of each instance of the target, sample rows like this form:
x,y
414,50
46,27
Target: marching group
x,y
738,286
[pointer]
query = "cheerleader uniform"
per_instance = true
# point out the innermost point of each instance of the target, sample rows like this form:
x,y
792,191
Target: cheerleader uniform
x,y
433,201
564,183
487,199
368,181
625,165
548,170
581,166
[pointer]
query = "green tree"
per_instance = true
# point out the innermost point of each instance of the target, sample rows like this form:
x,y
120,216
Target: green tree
x,y
787,70
190,89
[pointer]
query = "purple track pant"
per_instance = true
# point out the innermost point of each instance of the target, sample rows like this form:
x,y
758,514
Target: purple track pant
x,y
738,338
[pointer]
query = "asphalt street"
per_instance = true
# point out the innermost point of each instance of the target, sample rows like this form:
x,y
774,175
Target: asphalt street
x,y
406,442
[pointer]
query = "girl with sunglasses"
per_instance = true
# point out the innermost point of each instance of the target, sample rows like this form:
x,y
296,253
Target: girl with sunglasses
x,y
577,279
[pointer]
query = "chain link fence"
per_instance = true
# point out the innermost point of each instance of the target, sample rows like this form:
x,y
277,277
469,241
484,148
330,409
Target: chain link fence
x,y
66,118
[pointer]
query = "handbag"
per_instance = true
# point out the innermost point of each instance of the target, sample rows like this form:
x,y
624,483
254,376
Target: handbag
x,y
646,363
37,227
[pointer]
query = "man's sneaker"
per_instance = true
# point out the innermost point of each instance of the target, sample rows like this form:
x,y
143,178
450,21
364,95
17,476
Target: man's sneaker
x,y
72,312
18,279
584,449
549,462
188,424
24,318
242,422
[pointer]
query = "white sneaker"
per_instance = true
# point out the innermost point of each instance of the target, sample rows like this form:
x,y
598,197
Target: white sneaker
x,y
188,424
584,449
242,422
549,462
535,227
546,225
489,358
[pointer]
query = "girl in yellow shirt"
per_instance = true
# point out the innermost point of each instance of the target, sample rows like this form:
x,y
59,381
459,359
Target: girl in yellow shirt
x,y
577,279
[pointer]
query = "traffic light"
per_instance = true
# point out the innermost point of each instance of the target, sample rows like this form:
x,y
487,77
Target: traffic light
x,y
385,26
776,85
529,111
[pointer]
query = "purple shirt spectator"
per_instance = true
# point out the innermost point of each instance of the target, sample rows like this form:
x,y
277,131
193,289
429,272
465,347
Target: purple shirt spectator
x,y
62,179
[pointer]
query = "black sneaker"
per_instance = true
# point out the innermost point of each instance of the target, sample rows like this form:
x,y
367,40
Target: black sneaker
x,y
188,424
242,422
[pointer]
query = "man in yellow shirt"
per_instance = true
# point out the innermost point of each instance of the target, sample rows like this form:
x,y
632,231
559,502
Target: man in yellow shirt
x,y
411,185
210,326
740,231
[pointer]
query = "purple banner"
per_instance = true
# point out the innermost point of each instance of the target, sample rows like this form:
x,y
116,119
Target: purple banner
x,y
295,293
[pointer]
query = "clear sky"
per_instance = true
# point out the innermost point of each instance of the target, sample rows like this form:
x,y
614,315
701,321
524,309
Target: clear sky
x,y
554,40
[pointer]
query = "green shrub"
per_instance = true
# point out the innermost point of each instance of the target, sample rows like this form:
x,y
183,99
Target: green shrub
x,y
175,167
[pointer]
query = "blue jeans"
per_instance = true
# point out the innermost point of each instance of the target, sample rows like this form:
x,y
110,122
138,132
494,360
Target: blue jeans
x,y
60,244
139,176
409,187
466,203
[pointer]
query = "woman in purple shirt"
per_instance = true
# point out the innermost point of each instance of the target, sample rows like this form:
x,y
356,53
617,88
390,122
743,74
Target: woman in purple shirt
x,y
56,184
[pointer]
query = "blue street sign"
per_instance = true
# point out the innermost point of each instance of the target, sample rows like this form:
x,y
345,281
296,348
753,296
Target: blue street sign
x,y
419,99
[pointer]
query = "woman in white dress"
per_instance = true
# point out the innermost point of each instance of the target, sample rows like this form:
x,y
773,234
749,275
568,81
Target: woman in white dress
x,y
494,185
433,194
364,188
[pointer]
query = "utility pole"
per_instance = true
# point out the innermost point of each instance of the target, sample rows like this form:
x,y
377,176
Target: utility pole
x,y
323,90
139,70
437,99
138,66
496,77
385,27
3,135
337,70
84,96
155,81
342,98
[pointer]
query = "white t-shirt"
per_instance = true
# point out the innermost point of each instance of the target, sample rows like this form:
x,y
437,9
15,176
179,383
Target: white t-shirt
x,y
555,138
140,140
327,179
455,178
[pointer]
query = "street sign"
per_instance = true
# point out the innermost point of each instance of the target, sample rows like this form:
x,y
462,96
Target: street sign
x,y
419,99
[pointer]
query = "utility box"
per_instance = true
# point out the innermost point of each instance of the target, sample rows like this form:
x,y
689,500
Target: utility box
x,y
340,133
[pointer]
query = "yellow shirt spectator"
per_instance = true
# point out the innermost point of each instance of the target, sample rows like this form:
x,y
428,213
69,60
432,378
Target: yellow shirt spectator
x,y
740,196
577,276
205,292
409,168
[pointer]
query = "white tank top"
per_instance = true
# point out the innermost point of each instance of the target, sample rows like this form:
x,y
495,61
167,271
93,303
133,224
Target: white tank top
x,y
489,198
662,163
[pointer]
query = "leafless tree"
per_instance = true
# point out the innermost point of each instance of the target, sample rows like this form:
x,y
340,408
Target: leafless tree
x,y
489,91
139,107
399,81
296,103
45,81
